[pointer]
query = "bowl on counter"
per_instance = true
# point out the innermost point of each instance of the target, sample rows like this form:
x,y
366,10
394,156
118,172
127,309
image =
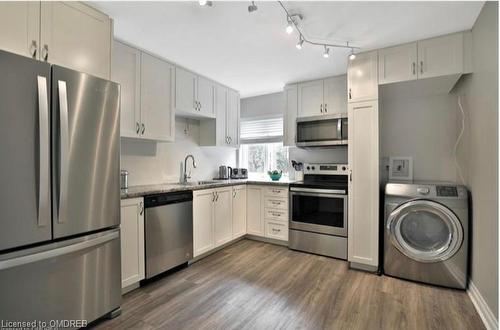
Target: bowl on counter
x,y
275,175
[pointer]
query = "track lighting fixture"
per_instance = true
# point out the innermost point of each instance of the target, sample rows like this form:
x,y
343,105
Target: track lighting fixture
x,y
252,7
300,43
352,56
205,3
326,53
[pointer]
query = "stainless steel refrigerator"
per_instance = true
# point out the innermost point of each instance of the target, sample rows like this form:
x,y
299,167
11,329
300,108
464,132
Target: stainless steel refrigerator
x,y
59,192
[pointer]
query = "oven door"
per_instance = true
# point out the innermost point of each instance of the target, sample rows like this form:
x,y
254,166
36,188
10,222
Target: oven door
x,y
318,210
322,131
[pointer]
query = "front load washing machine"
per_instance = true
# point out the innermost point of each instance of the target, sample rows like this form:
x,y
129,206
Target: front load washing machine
x,y
426,233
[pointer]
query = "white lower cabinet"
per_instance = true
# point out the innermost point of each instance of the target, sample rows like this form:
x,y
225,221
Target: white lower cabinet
x,y
239,211
203,221
223,219
255,211
267,212
132,241
219,216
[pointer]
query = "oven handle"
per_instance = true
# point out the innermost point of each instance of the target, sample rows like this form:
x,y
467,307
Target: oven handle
x,y
319,191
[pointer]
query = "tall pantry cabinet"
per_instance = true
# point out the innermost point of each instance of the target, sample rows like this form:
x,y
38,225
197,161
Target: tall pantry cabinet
x,y
363,159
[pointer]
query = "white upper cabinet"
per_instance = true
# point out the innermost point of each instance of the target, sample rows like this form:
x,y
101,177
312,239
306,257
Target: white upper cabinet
x,y
223,219
290,115
20,23
126,70
157,91
70,34
194,95
310,96
221,116
239,211
322,97
441,56
334,95
147,91
233,118
362,77
205,91
397,63
185,91
76,36
429,58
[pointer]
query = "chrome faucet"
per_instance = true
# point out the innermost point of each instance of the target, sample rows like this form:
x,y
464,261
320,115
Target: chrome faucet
x,y
186,176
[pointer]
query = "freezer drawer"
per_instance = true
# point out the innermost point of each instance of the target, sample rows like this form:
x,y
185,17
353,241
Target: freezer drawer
x,y
78,279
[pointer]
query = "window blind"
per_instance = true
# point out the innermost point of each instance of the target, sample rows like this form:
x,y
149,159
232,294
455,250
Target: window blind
x,y
261,130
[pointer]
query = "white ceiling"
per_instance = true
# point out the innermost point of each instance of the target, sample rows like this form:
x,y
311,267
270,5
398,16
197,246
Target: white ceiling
x,y
253,54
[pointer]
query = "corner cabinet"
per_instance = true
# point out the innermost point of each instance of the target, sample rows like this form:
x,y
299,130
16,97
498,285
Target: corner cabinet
x,y
224,129
132,242
239,210
147,94
362,78
363,158
255,211
70,34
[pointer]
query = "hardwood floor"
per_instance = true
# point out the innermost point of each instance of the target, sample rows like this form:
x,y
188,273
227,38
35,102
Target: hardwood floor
x,y
254,285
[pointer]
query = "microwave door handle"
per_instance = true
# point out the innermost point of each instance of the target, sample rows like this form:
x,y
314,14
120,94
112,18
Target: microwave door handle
x,y
43,153
63,151
339,129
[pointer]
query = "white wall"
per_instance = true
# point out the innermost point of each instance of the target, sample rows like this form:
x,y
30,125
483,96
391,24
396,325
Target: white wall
x,y
152,163
422,127
479,152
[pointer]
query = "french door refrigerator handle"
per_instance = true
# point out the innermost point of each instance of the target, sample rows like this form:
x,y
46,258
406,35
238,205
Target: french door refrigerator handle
x,y
43,153
63,152
57,252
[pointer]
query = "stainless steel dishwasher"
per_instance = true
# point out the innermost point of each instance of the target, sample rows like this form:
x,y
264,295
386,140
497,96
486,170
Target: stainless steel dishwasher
x,y
168,231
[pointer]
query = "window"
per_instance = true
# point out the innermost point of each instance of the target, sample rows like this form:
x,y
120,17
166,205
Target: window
x,y
262,147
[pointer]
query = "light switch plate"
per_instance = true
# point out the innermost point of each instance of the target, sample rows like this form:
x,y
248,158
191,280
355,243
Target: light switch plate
x,y
400,168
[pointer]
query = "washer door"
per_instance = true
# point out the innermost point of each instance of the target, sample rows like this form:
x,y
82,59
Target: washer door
x,y
425,231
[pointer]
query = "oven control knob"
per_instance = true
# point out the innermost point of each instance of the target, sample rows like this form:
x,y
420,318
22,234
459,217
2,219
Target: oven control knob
x,y
313,168
343,168
308,168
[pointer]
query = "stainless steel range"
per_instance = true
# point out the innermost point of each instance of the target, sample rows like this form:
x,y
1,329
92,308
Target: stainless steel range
x,y
318,211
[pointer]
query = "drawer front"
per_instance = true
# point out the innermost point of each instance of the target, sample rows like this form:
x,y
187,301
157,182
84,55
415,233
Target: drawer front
x,y
275,214
276,192
277,203
277,230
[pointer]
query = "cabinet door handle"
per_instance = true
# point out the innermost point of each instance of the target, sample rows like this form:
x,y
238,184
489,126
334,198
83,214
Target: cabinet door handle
x,y
413,68
141,205
350,95
216,196
199,106
143,128
326,110
137,128
33,48
213,196
350,175
276,230
45,52
421,66
321,108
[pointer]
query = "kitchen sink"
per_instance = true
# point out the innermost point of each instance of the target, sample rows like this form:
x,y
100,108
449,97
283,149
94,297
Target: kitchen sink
x,y
197,183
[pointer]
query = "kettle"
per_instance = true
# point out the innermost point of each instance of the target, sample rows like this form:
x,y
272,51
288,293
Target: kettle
x,y
225,172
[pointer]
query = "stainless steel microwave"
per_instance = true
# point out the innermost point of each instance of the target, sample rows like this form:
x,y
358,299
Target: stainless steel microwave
x,y
322,131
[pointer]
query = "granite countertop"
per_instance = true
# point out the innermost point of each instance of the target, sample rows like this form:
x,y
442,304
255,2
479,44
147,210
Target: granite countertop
x,y
143,190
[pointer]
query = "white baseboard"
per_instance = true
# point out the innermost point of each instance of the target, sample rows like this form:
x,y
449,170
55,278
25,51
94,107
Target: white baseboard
x,y
484,311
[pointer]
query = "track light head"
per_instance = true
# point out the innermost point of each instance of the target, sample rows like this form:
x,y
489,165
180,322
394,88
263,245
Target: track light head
x,y
289,26
205,3
326,53
352,56
252,7
300,43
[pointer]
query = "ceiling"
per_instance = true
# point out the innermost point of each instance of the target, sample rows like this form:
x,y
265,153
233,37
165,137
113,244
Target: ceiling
x,y
253,54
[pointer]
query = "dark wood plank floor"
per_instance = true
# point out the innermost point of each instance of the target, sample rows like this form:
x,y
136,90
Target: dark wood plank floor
x,y
254,285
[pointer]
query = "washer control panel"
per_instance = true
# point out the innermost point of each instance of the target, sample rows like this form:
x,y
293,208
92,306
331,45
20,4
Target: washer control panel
x,y
446,191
